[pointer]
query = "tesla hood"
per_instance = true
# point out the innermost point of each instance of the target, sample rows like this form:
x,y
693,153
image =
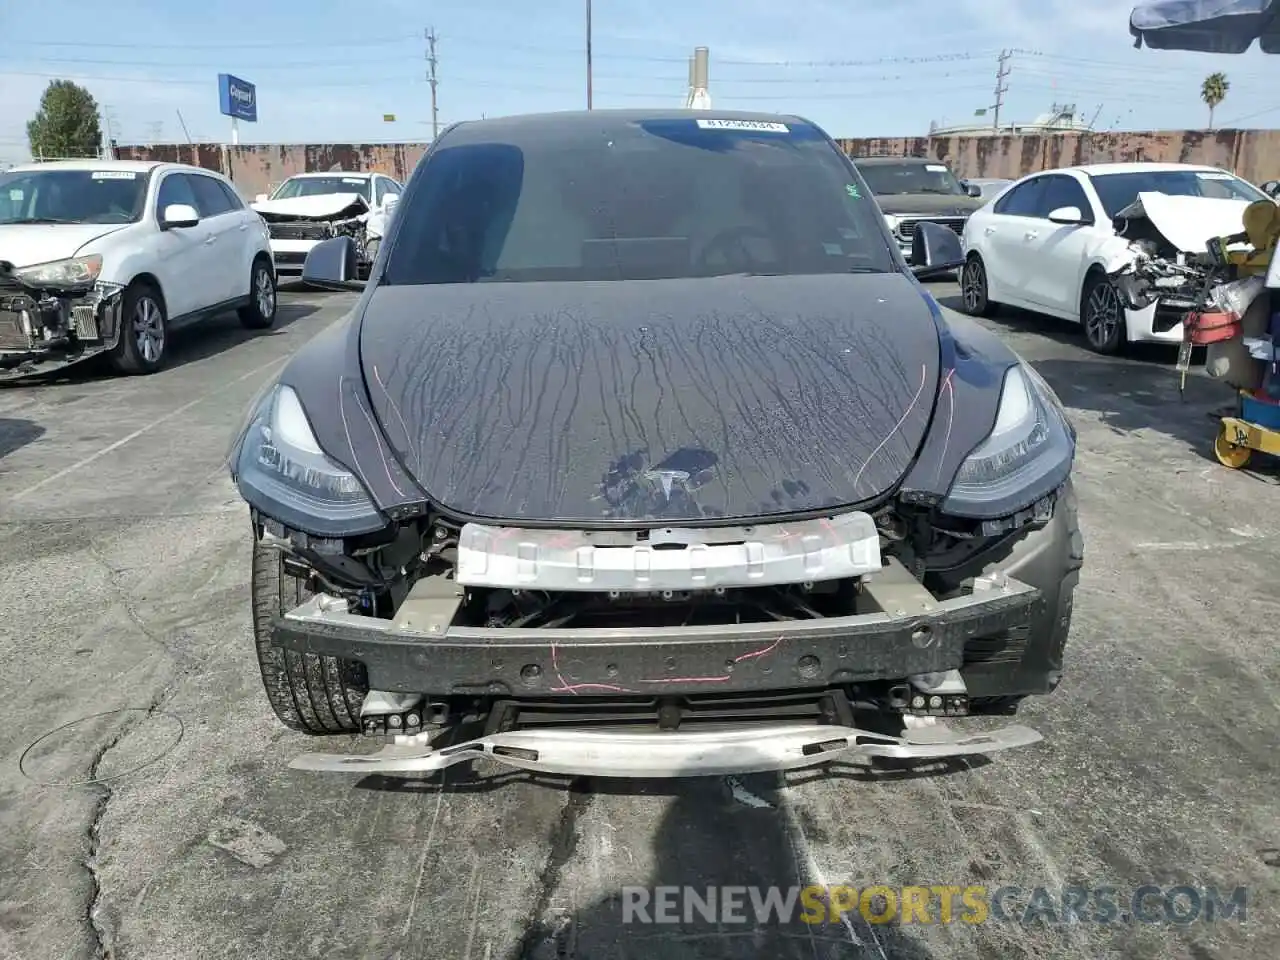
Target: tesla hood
x,y
660,400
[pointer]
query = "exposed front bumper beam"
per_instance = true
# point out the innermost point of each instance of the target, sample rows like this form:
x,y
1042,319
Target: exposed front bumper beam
x,y
608,753
422,651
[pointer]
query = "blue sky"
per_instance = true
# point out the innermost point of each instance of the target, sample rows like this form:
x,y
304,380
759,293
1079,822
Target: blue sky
x,y
327,70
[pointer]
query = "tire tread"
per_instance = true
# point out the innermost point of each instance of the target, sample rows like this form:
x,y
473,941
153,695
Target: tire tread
x,y
312,693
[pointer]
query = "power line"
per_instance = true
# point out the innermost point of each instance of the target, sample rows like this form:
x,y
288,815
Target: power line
x,y
1121,67
230,45
185,64
304,84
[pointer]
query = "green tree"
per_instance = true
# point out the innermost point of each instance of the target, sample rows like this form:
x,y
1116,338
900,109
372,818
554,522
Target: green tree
x,y
66,125
1213,91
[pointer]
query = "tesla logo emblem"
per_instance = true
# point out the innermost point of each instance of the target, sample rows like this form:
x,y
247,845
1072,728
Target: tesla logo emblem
x,y
667,478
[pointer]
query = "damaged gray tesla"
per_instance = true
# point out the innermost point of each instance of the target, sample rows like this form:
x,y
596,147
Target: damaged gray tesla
x,y
644,452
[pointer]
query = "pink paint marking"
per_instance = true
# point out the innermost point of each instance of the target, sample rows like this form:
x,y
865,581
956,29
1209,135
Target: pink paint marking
x,y
924,376
951,416
763,651
575,687
555,665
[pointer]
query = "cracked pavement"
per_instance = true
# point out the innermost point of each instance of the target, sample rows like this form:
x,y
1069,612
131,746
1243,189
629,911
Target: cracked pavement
x,y
126,647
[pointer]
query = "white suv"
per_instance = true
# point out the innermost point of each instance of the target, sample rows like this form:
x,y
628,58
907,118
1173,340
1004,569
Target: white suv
x,y
111,257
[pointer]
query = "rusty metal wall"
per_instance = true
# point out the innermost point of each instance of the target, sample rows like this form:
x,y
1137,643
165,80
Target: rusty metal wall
x,y
1252,154
255,168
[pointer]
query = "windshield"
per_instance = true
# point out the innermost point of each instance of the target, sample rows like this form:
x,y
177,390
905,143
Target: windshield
x,y
319,186
890,179
73,196
647,200
1118,190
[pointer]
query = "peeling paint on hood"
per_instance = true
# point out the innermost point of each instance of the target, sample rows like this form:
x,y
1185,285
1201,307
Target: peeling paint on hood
x,y
322,207
1188,223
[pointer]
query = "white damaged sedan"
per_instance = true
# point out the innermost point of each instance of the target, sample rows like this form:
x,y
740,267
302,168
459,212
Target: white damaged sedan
x,y
311,207
1053,241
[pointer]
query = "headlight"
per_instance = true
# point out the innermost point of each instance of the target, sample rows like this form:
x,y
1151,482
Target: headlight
x,y
76,272
1027,455
281,470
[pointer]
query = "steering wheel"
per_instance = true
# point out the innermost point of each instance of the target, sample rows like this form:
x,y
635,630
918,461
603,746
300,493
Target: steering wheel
x,y
729,243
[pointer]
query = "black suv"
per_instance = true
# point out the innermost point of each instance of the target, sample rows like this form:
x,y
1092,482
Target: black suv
x,y
911,189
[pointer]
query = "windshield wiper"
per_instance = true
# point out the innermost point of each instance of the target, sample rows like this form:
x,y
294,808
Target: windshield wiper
x,y
41,220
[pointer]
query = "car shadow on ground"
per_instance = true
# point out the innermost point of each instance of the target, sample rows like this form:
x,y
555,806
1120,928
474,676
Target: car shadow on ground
x,y
225,331
1015,320
16,434
714,832
1134,392
1131,398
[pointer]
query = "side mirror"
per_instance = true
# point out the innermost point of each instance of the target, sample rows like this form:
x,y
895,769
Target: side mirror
x,y
1271,188
260,197
1067,215
935,250
332,265
973,190
177,215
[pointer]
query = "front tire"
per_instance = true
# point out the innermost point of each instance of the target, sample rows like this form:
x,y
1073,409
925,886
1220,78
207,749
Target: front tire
x,y
308,692
370,255
144,331
973,288
260,313
1102,316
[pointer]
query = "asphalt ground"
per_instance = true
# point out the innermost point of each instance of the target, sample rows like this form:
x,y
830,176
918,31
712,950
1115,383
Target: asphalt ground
x,y
156,818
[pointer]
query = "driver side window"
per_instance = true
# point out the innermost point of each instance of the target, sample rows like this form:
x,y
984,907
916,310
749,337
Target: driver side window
x,y
1064,191
175,188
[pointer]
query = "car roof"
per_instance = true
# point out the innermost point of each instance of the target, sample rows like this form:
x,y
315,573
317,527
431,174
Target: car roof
x,y
577,121
1099,169
90,163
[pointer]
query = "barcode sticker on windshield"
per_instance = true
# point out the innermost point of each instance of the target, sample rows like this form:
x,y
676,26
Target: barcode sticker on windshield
x,y
114,175
352,180
1212,175
936,167
753,126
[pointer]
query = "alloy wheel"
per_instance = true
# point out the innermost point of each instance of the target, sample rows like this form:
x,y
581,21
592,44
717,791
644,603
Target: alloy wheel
x,y
148,329
973,286
1102,315
265,293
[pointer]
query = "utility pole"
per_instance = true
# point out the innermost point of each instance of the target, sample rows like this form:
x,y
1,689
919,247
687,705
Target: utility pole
x,y
1002,71
588,54
431,79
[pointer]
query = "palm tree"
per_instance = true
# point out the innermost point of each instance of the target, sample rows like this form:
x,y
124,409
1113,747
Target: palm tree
x,y
1213,91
